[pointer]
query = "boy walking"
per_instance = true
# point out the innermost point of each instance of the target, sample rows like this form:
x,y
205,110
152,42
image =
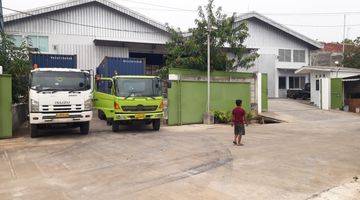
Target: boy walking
x,y
238,121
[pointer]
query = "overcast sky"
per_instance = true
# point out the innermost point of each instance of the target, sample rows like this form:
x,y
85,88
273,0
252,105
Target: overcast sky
x,y
282,11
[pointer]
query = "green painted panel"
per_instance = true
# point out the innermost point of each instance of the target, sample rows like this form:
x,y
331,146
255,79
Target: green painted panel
x,y
5,107
264,92
223,96
193,100
336,93
173,104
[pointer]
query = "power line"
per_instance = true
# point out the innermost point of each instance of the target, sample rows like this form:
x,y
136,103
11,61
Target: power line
x,y
169,8
161,6
315,13
320,26
80,24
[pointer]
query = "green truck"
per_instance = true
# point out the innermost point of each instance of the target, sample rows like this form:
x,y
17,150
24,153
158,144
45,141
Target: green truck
x,y
125,100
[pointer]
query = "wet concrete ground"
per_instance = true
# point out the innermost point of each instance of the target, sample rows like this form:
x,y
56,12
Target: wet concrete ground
x,y
316,150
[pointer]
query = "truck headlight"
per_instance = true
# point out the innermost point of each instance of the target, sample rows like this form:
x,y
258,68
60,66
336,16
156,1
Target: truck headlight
x,y
34,106
88,104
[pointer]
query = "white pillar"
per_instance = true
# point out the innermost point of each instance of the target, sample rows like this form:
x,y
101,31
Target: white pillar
x,y
276,81
325,93
259,92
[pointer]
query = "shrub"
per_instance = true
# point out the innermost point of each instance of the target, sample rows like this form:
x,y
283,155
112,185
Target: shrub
x,y
222,116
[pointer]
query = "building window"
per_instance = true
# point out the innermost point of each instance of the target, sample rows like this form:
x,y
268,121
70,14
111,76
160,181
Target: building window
x,y
299,55
296,82
39,42
282,82
17,40
317,85
284,55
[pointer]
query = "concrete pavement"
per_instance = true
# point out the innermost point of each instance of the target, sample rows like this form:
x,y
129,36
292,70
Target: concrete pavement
x,y
315,151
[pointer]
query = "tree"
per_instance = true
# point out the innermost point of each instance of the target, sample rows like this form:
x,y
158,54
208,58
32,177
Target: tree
x,y
228,52
15,61
352,53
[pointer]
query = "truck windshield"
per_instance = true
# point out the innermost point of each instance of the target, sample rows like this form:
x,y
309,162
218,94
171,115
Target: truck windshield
x,y
60,81
138,87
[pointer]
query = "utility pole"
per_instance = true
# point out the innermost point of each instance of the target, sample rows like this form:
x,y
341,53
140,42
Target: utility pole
x,y
208,70
1,18
344,36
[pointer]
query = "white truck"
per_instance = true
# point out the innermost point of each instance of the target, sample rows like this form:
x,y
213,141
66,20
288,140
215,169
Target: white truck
x,y
60,97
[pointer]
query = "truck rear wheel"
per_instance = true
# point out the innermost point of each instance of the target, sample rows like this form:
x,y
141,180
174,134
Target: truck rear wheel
x,y
115,126
156,124
84,128
34,132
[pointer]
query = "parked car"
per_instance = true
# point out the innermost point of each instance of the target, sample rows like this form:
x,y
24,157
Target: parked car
x,y
299,93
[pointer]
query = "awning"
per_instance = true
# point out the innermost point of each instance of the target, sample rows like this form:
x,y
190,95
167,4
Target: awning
x,y
309,69
140,47
351,78
117,43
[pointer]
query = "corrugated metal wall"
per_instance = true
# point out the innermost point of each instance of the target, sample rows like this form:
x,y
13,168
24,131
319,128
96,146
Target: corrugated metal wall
x,y
93,14
65,38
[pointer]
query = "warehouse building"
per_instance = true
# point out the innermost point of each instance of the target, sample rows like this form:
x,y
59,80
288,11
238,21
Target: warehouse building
x,y
90,29
282,51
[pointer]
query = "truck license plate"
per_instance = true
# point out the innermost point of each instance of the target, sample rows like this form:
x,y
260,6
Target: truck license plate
x,y
139,116
62,115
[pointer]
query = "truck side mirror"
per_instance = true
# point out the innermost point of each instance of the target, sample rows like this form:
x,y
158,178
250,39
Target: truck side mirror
x,y
169,84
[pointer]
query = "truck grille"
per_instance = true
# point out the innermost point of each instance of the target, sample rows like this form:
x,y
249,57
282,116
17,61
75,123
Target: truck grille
x,y
60,108
139,108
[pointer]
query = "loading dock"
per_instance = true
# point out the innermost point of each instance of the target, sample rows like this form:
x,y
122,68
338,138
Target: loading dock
x,y
352,93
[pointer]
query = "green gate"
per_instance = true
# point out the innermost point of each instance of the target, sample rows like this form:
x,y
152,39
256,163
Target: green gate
x,y
187,99
5,107
336,93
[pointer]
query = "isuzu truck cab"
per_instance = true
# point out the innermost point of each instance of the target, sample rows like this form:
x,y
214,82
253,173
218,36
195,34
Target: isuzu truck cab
x,y
60,97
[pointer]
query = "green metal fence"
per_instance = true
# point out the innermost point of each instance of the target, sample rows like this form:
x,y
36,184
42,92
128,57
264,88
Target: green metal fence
x,y
5,107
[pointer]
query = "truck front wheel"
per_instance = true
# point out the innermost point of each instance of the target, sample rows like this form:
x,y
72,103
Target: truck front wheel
x,y
156,124
101,115
115,126
84,128
34,132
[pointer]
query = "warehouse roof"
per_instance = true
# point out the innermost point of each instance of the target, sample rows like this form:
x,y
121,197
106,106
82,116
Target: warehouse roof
x,y
281,27
72,3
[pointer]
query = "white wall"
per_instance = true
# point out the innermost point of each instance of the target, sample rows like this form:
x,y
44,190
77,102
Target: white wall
x,y
314,94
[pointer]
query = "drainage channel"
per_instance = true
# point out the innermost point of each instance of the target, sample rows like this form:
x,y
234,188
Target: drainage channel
x,y
267,120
